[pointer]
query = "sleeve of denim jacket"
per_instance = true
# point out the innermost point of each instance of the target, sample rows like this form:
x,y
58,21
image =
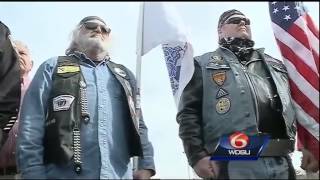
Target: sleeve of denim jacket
x,y
32,122
189,118
147,162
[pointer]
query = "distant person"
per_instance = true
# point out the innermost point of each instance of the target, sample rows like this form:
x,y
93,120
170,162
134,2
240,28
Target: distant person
x,y
9,84
238,88
78,117
8,167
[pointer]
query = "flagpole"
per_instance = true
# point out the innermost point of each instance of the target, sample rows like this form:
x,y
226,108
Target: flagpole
x,y
138,76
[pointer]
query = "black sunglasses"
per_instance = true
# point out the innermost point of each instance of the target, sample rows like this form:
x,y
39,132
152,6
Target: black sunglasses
x,y
93,26
237,20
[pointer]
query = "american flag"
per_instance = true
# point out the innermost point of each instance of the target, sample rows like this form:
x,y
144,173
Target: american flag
x,y
298,40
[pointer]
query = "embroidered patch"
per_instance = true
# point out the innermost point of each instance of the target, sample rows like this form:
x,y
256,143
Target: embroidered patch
x,y
62,102
219,78
68,69
221,92
120,72
223,105
217,59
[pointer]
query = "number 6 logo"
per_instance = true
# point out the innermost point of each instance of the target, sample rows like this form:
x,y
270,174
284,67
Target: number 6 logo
x,y
239,140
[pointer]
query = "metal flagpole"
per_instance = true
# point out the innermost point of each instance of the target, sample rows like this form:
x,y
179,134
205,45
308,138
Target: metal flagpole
x,y
138,74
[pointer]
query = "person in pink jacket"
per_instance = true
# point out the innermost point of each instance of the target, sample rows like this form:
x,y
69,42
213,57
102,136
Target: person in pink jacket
x,y
7,154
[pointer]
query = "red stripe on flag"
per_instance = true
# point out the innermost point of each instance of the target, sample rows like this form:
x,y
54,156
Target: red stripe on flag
x,y
308,140
316,58
303,101
299,34
311,26
303,69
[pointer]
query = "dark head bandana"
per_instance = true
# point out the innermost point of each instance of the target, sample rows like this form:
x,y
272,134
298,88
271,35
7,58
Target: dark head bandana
x,y
224,16
91,18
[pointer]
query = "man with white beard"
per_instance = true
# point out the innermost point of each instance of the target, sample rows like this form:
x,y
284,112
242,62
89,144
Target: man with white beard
x,y
78,116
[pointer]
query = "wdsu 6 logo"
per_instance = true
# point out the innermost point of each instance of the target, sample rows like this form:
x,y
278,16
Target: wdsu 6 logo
x,y
239,146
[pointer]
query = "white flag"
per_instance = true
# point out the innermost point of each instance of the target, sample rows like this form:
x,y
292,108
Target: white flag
x,y
160,24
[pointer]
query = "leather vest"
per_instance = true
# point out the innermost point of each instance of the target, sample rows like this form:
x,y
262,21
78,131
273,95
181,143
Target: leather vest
x,y
64,111
228,92
67,109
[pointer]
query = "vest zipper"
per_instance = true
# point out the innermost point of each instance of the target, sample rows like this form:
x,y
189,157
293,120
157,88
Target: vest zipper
x,y
251,87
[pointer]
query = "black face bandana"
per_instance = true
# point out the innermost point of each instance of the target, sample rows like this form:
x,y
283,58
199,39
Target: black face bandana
x,y
242,48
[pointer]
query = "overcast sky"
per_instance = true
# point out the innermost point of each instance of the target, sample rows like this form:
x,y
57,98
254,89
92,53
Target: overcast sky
x,y
45,27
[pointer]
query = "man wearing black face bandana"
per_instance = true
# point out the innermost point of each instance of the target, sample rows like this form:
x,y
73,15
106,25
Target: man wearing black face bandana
x,y
238,88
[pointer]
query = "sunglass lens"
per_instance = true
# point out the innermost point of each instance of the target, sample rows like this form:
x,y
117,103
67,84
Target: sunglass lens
x,y
91,25
104,29
238,20
234,21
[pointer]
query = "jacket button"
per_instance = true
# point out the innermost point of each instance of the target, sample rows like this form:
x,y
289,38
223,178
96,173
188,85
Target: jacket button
x,y
247,114
242,91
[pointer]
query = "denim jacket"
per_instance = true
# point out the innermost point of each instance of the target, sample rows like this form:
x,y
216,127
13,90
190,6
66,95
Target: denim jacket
x,y
104,143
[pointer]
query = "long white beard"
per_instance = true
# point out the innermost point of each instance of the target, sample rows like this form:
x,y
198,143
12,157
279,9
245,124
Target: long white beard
x,y
89,44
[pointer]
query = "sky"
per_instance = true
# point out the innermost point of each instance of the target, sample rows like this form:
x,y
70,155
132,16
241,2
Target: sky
x,y
46,28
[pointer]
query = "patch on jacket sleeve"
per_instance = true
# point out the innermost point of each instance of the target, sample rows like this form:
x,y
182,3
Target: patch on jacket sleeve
x,y
62,102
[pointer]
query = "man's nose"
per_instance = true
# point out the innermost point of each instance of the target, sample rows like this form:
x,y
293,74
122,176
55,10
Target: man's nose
x,y
98,29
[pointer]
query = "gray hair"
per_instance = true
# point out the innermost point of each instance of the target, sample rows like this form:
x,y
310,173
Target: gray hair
x,y
73,45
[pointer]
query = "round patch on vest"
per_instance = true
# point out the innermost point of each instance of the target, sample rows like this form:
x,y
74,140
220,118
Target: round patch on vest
x,y
223,105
